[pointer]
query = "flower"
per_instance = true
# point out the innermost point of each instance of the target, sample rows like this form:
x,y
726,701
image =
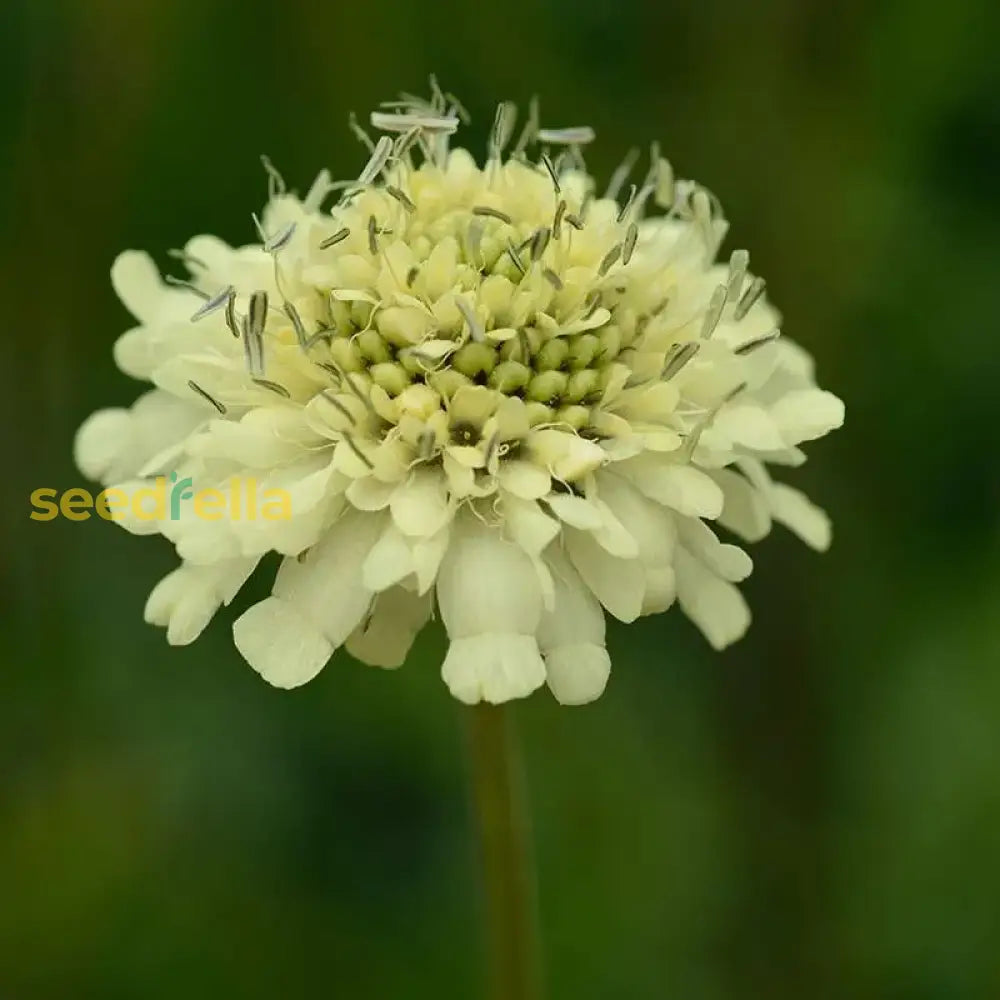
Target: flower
x,y
488,390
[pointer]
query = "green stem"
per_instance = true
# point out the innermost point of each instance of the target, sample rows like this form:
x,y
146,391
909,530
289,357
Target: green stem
x,y
508,873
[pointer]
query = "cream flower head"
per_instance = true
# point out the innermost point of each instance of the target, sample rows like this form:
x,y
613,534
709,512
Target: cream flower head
x,y
489,390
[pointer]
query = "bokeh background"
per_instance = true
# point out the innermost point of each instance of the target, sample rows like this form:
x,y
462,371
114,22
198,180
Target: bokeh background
x,y
815,813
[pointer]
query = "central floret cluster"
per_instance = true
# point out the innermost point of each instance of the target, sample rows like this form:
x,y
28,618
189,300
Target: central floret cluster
x,y
486,389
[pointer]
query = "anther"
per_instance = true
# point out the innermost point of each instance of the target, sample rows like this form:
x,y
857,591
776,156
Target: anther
x,y
714,312
217,301
401,196
253,330
578,135
530,130
752,345
609,259
557,219
515,257
574,220
493,213
552,278
627,207
273,386
550,167
296,320
281,239
338,237
338,405
357,451
204,395
628,248
476,331
372,235
754,291
379,158
231,317
539,242
677,357
440,124
503,127
739,260
186,285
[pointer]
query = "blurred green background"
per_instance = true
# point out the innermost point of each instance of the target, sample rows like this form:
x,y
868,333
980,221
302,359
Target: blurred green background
x,y
815,813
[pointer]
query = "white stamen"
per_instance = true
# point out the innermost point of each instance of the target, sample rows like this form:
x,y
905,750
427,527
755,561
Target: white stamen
x,y
754,291
476,330
446,124
379,158
577,135
281,239
217,301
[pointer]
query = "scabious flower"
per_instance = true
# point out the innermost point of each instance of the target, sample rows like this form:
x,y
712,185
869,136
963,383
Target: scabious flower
x,y
488,390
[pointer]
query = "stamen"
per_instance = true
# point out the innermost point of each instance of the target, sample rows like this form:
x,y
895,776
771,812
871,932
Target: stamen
x,y
473,241
666,193
476,330
620,176
459,108
281,239
402,197
411,275
626,208
714,312
677,357
296,320
631,235
609,259
557,219
187,258
231,317
379,158
547,163
493,213
346,379
357,451
204,395
372,235
275,182
575,221
539,242
503,128
552,278
338,237
578,135
253,331
530,130
512,251
360,134
437,124
754,291
752,345
186,285
739,260
273,386
733,393
215,302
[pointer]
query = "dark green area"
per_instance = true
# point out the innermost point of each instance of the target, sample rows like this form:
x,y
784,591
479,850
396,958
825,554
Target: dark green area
x,y
815,813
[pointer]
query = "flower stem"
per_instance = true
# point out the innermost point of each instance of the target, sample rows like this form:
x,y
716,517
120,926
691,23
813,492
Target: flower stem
x,y
508,873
